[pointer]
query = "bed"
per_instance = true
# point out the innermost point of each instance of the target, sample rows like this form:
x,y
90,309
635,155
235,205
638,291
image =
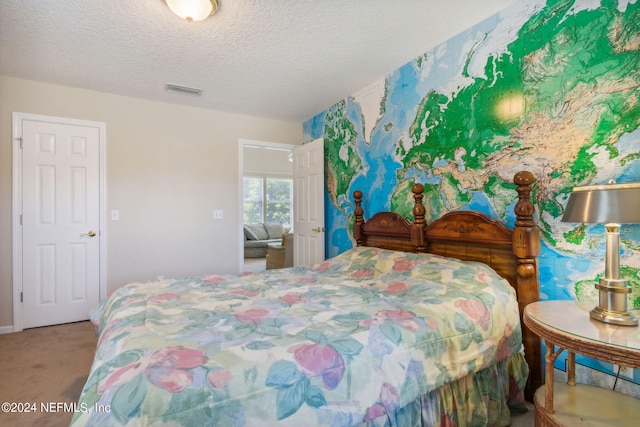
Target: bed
x,y
416,325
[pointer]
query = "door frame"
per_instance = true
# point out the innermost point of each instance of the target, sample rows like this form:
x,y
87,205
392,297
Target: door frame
x,y
241,145
16,205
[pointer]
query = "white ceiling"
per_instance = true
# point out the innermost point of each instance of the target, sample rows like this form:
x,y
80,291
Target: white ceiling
x,y
285,59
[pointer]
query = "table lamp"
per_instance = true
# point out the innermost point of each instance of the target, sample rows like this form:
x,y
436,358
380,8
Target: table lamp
x,y
609,204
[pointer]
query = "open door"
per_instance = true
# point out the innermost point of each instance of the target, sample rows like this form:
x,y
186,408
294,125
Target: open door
x,y
308,189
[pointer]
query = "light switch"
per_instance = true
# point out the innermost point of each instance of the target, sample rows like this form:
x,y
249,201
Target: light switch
x,y
218,214
115,215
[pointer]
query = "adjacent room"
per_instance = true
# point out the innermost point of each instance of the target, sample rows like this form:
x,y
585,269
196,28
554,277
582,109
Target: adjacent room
x,y
240,213
267,197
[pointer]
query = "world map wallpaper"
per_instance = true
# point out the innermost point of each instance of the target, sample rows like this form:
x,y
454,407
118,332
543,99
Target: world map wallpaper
x,y
551,87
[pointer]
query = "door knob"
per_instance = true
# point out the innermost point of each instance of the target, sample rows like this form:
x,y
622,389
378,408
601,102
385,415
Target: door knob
x,y
318,229
90,234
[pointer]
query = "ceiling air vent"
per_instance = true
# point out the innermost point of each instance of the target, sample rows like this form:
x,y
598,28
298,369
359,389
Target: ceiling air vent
x,y
183,89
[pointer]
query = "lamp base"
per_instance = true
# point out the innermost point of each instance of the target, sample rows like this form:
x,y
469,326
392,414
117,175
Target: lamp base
x,y
623,318
612,302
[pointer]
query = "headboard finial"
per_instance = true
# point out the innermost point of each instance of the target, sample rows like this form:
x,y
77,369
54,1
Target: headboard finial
x,y
418,238
418,206
526,237
526,247
417,188
524,208
524,178
358,235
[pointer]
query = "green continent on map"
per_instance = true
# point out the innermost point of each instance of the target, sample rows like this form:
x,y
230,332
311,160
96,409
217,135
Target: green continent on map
x,y
343,162
562,90
560,97
576,235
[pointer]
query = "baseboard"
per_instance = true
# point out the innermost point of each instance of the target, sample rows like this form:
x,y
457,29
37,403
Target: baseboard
x,y
6,329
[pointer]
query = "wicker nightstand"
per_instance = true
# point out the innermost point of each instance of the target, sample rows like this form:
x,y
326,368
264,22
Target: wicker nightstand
x,y
567,325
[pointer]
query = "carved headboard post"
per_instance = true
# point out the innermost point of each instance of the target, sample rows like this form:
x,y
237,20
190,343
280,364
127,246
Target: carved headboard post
x,y
358,235
526,248
418,238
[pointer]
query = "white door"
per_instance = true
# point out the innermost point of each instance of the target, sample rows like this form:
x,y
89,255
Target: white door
x,y
308,187
60,221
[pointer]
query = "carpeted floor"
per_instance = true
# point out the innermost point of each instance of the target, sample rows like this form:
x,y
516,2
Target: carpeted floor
x,y
255,265
49,366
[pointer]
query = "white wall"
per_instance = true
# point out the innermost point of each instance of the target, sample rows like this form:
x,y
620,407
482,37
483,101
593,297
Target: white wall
x,y
168,168
263,161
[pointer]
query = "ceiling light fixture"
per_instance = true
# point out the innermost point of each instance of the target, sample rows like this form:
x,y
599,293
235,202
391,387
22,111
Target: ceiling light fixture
x,y
193,10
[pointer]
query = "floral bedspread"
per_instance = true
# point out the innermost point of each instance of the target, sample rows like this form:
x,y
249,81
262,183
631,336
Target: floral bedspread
x,y
345,342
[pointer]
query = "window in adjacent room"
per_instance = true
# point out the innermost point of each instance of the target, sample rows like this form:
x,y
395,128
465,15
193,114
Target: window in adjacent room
x,y
253,196
268,199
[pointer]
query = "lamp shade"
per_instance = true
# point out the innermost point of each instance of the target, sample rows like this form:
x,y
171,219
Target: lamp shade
x,y
193,10
607,203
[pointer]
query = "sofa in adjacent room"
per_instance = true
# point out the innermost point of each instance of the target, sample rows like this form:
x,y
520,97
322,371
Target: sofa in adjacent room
x,y
258,236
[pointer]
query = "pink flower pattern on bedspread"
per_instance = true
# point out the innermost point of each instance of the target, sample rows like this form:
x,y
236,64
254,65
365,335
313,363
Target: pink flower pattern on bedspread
x,y
167,368
371,337
317,360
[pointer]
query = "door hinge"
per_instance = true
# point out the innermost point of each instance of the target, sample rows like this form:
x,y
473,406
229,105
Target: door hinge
x,y
20,139
20,219
21,296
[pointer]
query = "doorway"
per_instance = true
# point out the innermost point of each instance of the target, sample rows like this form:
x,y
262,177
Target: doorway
x,y
261,161
59,233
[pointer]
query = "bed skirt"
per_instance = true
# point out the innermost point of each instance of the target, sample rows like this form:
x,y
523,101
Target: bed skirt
x,y
485,398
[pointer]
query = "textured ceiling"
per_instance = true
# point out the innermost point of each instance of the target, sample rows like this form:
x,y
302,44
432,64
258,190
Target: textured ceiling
x,y
286,59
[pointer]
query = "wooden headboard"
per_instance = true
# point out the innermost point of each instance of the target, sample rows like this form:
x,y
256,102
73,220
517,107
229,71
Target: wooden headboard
x,y
470,236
